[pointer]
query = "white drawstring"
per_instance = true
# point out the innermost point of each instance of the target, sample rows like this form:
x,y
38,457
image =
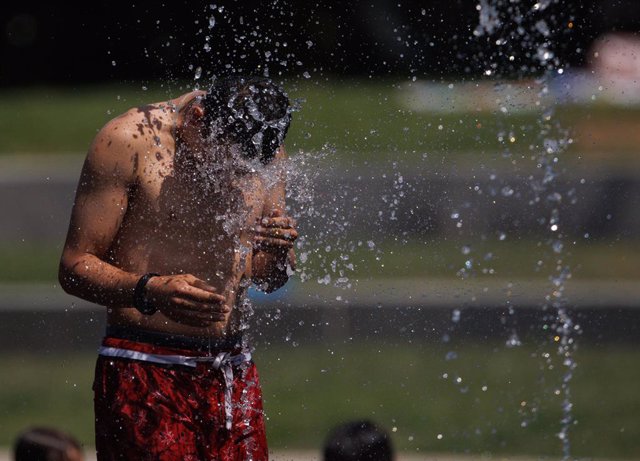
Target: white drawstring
x,y
224,362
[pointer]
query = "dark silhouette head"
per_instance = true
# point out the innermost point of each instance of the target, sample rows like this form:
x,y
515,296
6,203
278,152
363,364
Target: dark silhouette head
x,y
358,441
46,444
251,111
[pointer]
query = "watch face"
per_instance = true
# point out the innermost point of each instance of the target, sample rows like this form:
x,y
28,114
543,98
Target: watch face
x,y
148,309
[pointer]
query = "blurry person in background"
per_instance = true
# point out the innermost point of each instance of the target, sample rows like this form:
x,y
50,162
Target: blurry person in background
x,y
46,444
360,440
614,61
179,209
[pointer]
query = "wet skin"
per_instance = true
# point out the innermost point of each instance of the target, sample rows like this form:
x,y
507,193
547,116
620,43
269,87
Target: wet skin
x,y
154,196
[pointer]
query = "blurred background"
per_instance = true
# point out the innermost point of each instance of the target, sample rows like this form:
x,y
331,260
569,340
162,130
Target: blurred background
x,y
466,178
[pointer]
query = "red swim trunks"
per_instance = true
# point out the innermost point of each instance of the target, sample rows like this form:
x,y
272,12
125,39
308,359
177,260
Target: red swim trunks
x,y
159,403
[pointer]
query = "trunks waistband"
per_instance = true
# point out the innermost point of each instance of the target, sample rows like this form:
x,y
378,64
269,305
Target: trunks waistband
x,y
216,361
175,341
224,361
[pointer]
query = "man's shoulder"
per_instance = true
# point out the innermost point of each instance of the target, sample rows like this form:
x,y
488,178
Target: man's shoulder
x,y
115,134
136,124
118,126
121,143
117,139
132,119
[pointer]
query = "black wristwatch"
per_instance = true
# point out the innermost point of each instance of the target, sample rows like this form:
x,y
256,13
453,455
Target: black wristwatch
x,y
140,301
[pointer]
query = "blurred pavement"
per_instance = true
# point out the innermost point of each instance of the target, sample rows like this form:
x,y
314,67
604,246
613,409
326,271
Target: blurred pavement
x,y
38,192
315,456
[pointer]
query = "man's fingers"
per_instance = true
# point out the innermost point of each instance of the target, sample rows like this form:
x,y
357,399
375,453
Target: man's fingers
x,y
284,222
198,283
277,232
261,242
201,310
200,295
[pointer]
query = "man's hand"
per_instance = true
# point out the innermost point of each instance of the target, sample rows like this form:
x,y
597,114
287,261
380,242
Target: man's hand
x,y
275,234
273,251
187,299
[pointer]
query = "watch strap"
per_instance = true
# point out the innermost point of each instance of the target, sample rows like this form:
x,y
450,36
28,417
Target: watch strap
x,y
140,301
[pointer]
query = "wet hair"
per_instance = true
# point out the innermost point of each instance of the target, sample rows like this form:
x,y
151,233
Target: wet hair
x,y
358,441
251,111
45,444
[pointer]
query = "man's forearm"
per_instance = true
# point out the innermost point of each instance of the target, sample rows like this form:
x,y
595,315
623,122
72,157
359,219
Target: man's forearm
x,y
89,277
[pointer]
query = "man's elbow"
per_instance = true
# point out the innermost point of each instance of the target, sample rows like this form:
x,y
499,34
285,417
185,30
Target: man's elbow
x,y
67,276
65,279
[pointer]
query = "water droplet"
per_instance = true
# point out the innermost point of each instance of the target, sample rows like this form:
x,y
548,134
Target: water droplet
x,y
507,191
513,341
557,246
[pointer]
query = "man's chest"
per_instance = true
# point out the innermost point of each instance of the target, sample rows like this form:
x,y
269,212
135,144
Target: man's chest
x,y
187,208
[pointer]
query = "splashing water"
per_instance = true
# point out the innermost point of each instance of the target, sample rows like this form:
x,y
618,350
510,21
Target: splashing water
x,y
316,197
327,205
519,28
325,249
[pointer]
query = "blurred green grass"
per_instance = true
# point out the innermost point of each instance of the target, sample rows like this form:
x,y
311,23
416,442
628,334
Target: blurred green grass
x,y
29,262
506,402
362,120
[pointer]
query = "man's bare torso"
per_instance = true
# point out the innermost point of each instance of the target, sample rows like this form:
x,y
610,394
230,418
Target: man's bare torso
x,y
183,217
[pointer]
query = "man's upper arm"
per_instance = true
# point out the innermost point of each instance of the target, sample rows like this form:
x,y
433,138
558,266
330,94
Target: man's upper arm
x,y
101,197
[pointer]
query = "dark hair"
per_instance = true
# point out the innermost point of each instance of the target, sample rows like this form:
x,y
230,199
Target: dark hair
x,y
251,111
358,441
44,444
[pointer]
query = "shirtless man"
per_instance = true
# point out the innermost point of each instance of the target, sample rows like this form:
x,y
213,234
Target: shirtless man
x,y
179,208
